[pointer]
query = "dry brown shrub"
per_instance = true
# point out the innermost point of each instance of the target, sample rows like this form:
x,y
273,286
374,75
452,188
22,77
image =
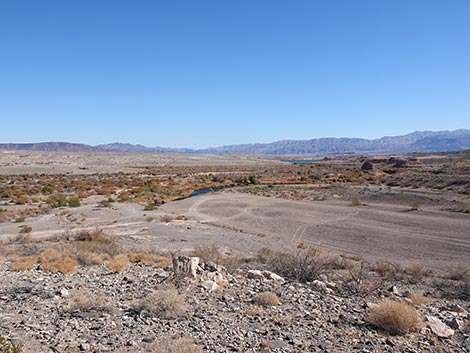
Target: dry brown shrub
x,y
176,344
387,269
355,201
118,263
208,253
22,200
266,299
303,266
166,218
88,258
418,299
87,301
64,264
24,263
418,272
459,273
253,311
48,255
395,317
150,259
96,241
165,303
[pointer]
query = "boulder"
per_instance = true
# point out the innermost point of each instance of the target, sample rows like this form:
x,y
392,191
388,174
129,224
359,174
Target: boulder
x,y
439,328
186,265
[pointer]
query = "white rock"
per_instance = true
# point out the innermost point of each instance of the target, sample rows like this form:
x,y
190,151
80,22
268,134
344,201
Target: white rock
x,y
209,286
438,327
186,264
321,287
275,277
255,274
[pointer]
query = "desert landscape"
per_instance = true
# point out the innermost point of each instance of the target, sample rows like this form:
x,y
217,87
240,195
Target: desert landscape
x,y
283,248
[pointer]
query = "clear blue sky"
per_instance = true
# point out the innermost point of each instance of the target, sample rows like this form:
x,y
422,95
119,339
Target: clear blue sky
x,y
201,73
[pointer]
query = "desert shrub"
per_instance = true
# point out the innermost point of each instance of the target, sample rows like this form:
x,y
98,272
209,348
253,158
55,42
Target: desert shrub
x,y
149,207
64,264
395,317
459,273
453,289
304,266
165,303
174,344
7,346
253,179
118,263
418,299
88,258
150,259
414,206
57,200
25,229
84,302
418,272
74,201
208,253
24,263
266,299
355,201
358,281
341,263
388,270
22,200
96,241
166,218
19,219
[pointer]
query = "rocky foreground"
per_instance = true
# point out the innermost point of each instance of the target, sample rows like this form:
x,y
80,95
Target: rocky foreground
x,y
150,309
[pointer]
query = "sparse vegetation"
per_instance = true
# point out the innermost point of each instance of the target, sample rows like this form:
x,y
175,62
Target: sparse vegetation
x,y
175,344
266,299
118,263
165,303
25,229
303,266
166,218
7,346
395,317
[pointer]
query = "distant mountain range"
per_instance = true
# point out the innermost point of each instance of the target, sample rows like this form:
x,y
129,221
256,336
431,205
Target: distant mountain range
x,y
419,141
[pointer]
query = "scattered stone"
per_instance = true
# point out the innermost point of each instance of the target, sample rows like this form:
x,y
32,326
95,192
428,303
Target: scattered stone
x,y
439,328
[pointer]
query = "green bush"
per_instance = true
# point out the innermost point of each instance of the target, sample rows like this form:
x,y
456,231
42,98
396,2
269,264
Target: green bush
x,y
74,201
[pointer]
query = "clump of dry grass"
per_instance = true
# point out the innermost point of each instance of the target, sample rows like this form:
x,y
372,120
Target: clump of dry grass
x,y
418,299
149,259
166,218
459,273
355,201
418,272
118,263
84,302
395,317
23,263
174,344
266,299
10,347
64,264
88,258
165,303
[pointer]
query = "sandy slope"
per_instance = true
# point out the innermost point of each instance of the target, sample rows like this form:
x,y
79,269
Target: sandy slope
x,y
378,231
